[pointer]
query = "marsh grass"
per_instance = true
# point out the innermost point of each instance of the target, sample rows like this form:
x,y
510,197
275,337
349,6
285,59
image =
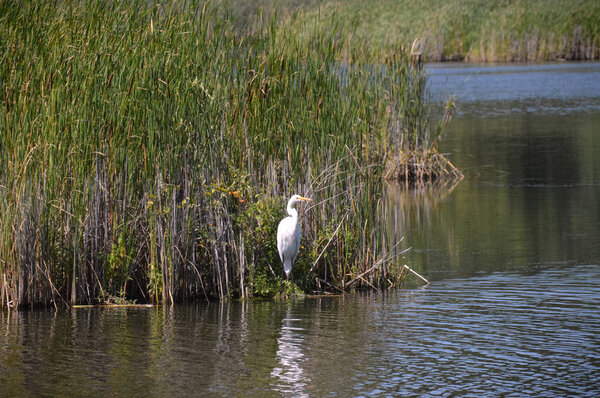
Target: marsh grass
x,y
478,30
147,151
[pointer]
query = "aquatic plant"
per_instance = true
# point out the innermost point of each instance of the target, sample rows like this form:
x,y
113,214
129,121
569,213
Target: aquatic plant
x,y
147,151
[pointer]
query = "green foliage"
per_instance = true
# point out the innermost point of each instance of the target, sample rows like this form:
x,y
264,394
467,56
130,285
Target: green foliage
x,y
264,284
258,222
117,266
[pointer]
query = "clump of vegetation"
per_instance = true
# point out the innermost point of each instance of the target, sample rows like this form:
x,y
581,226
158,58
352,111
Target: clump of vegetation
x,y
147,151
415,159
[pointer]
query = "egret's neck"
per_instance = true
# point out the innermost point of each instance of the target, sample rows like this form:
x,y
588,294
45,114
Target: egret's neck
x,y
290,209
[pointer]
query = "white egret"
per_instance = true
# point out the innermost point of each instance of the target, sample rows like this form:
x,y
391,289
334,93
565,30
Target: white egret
x,y
288,235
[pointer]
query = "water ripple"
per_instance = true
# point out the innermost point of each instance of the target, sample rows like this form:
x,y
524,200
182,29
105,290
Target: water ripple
x,y
500,334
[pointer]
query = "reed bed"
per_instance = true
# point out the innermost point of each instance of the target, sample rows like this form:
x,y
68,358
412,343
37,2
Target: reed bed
x,y
479,30
148,150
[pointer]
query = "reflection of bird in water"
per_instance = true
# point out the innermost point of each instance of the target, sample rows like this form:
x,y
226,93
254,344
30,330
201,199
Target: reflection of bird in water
x,y
288,235
292,380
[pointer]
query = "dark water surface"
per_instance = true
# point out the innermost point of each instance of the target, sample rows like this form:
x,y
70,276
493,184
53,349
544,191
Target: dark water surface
x,y
513,252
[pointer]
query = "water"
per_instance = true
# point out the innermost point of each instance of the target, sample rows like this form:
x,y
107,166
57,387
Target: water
x,y
487,91
502,334
513,252
530,150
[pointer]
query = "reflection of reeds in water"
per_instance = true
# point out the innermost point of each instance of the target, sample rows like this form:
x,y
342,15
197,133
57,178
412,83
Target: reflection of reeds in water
x,y
407,209
414,204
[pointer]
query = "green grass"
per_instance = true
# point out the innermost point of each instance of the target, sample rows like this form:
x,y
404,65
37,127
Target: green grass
x,y
147,151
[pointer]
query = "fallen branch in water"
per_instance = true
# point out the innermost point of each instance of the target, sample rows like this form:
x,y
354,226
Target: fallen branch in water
x,y
369,283
416,273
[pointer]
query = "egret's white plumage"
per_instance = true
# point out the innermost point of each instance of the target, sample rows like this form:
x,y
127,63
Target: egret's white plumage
x,y
288,235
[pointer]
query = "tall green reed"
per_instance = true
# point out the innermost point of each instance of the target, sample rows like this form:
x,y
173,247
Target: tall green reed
x,y
148,150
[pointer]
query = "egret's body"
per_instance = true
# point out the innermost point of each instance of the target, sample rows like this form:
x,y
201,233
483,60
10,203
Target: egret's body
x,y
288,235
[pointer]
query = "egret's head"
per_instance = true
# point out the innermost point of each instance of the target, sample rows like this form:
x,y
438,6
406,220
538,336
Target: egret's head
x,y
298,198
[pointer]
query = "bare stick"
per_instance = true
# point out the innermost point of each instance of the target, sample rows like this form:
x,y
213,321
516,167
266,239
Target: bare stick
x,y
368,283
415,272
113,306
271,268
330,285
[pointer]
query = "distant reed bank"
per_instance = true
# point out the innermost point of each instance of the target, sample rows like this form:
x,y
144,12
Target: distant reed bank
x,y
477,30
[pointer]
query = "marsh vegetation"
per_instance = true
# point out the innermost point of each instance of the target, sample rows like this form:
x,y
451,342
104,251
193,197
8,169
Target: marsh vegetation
x,y
147,151
478,30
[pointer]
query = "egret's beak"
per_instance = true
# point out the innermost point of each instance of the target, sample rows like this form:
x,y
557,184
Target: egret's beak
x,y
305,199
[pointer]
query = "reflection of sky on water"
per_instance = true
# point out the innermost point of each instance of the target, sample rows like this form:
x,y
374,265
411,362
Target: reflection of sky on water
x,y
486,89
292,380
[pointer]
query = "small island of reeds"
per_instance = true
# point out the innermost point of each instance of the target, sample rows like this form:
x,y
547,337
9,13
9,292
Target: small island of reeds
x,y
147,151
